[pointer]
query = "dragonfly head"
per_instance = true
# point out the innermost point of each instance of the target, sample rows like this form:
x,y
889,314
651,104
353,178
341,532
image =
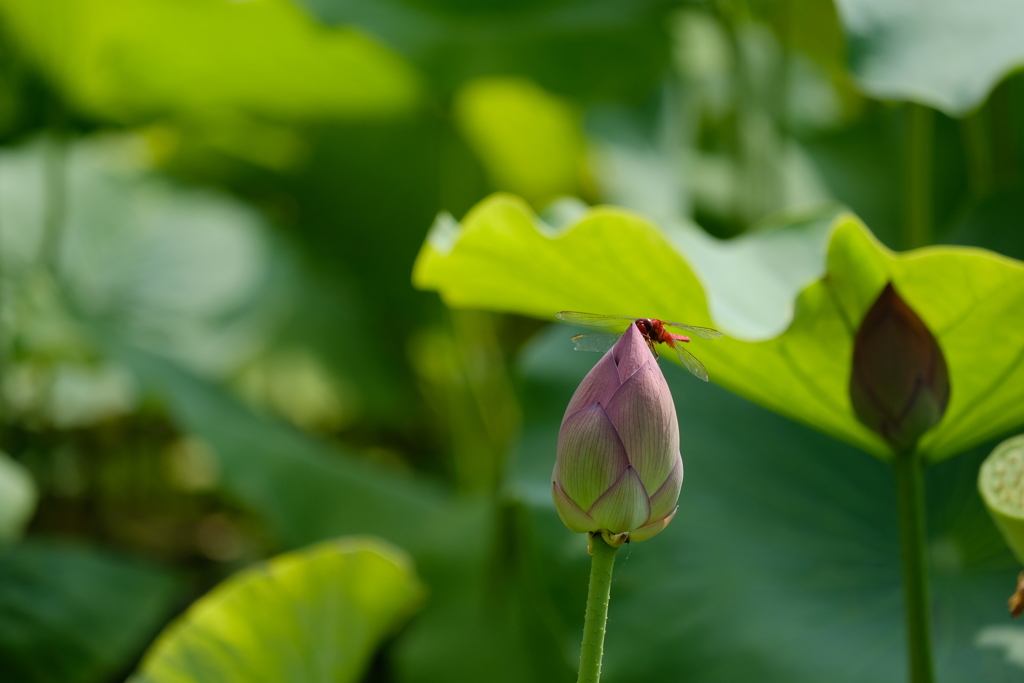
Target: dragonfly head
x,y
646,327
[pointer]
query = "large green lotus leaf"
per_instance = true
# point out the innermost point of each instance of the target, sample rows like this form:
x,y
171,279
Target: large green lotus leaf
x,y
612,261
76,614
309,616
127,60
945,53
783,559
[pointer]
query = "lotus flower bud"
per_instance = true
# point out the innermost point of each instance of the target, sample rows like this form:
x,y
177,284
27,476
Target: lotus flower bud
x,y
899,386
618,469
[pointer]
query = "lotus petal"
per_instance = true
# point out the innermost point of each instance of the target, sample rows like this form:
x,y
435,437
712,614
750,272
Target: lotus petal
x,y
653,529
664,499
590,458
624,506
645,418
630,353
597,387
572,516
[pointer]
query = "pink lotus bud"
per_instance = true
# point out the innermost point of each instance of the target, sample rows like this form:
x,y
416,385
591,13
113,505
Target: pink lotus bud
x,y
618,469
899,386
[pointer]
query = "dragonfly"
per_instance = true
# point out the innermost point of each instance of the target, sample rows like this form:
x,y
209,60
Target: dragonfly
x,y
653,330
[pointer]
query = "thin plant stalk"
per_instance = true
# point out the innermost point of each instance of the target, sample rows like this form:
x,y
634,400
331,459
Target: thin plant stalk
x,y
909,471
978,146
1004,137
918,177
55,169
598,594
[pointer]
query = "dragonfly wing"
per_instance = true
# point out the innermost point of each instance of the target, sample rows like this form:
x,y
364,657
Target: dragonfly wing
x,y
595,342
594,319
691,363
702,332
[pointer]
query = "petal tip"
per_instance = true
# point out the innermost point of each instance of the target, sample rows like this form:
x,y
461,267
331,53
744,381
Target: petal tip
x,y
571,515
653,529
624,506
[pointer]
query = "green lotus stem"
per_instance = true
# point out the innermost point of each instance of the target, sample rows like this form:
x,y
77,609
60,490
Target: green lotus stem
x,y
978,145
55,167
597,610
909,471
918,177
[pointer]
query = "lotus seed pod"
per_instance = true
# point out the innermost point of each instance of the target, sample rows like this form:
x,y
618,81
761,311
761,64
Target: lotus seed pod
x,y
618,470
1001,483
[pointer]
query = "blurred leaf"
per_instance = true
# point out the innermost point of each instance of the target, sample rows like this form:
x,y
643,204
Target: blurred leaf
x,y
307,491
356,247
310,616
946,54
863,165
810,27
124,60
18,496
993,223
74,614
706,152
464,379
783,558
304,488
752,280
294,384
614,262
189,273
489,618
589,49
529,140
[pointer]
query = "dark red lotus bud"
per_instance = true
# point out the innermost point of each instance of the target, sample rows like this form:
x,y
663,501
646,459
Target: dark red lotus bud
x,y
900,384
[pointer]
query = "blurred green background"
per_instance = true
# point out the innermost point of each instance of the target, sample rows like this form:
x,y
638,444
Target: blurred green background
x,y
211,351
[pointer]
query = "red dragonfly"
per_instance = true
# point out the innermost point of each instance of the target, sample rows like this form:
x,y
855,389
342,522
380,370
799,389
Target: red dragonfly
x,y
652,329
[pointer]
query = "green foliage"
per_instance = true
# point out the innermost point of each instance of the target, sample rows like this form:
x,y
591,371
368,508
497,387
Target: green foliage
x,y
783,559
221,296
185,272
18,496
152,269
611,261
311,616
930,54
589,49
124,61
305,489
528,139
74,614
